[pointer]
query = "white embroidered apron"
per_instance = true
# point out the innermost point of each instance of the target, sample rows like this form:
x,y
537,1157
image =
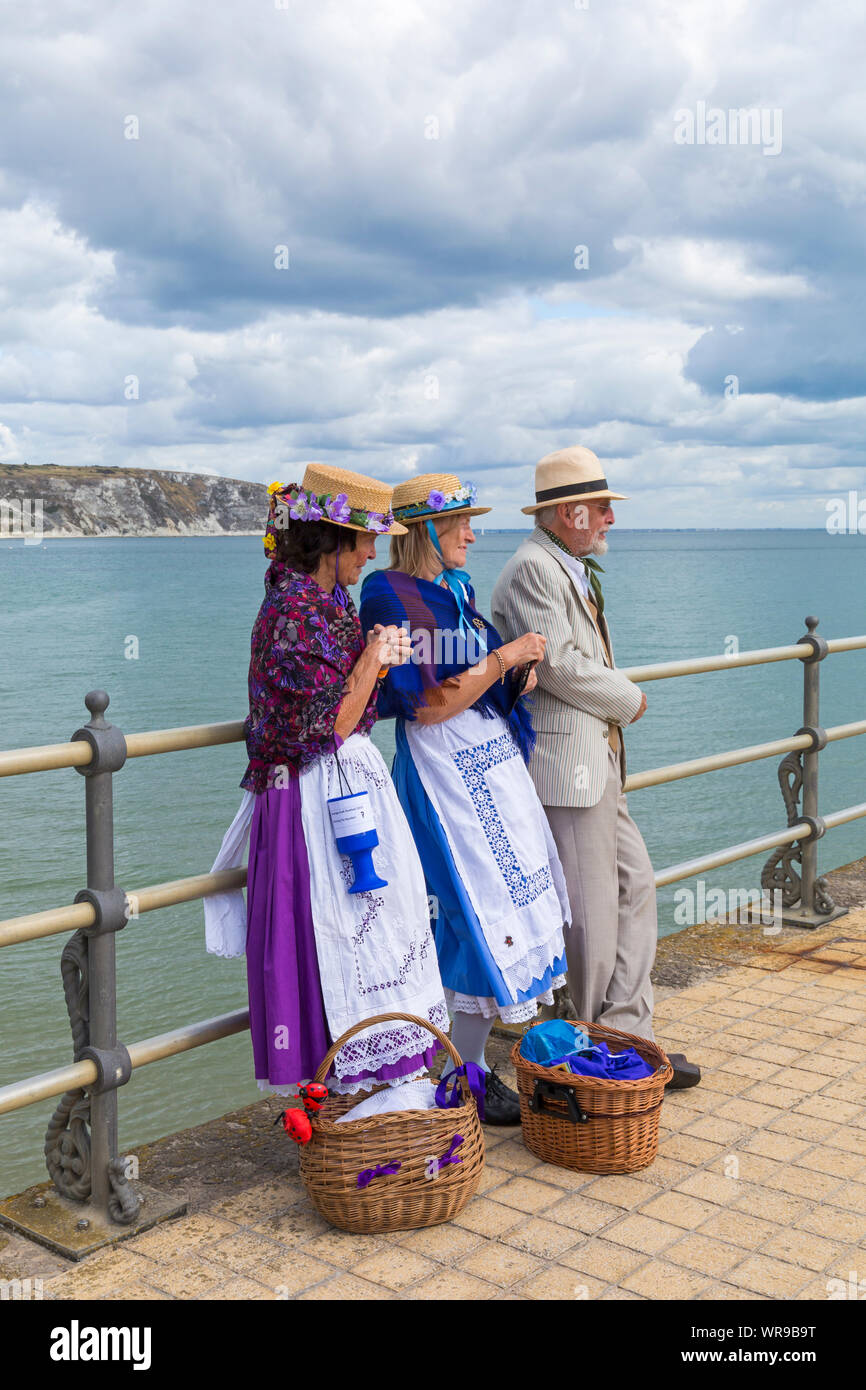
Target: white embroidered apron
x,y
376,951
503,849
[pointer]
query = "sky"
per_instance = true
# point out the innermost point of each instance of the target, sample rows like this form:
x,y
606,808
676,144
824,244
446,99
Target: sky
x,y
443,237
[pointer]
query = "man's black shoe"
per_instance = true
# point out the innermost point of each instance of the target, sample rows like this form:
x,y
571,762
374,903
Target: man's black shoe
x,y
686,1073
501,1104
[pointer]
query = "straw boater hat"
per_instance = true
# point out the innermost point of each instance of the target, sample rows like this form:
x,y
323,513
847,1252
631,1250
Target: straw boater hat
x,y
336,495
569,475
434,494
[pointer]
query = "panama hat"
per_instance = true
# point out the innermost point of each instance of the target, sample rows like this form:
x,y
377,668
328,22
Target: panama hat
x,y
335,495
432,495
570,475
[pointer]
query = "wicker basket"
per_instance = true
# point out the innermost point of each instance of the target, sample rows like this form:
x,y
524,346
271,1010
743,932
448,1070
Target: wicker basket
x,y
419,1193
584,1122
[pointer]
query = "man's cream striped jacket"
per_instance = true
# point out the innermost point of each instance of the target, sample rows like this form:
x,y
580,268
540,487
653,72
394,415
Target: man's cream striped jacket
x,y
579,695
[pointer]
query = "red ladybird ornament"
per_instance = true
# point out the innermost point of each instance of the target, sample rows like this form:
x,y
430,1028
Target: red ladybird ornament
x,y
314,1095
297,1125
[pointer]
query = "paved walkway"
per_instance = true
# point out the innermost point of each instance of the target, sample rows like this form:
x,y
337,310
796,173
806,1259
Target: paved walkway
x,y
759,1190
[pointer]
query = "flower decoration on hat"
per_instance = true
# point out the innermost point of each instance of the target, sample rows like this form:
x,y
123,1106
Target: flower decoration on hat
x,y
292,502
439,501
338,507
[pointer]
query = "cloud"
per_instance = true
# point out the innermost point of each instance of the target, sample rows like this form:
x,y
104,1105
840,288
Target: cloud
x,y
431,172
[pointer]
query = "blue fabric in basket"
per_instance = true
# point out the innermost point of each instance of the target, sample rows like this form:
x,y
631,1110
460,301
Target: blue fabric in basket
x,y
552,1041
608,1066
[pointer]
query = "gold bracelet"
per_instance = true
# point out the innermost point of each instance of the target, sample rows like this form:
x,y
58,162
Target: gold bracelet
x,y
501,666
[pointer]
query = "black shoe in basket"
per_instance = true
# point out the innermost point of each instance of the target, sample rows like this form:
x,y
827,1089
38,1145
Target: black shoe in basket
x,y
501,1104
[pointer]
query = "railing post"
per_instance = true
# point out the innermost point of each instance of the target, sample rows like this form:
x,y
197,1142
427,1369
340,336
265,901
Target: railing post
x,y
83,1167
805,897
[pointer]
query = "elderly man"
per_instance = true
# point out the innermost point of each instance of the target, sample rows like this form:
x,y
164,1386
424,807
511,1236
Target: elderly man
x,y
550,585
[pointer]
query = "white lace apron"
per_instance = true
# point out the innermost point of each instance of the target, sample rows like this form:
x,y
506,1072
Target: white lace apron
x,y
376,950
503,849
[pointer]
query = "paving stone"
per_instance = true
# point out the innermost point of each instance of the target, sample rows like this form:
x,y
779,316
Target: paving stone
x,y
515,1157
580,1213
712,1187
268,1263
677,1209
454,1287
486,1217
138,1293
779,1146
739,1229
172,1239
189,1278
781,1098
561,1284
747,1112
643,1233
761,1274
830,1108
395,1268
664,1172
707,1256
345,1288
603,1260
802,1127
260,1201
801,1248
622,1191
541,1237
569,1179
446,1243
851,1140
501,1264
527,1194
294,1227
239,1290
835,1224
343,1248
492,1177
661,1280
726,1293
101,1274
772,1206
725,1082
687,1148
851,1197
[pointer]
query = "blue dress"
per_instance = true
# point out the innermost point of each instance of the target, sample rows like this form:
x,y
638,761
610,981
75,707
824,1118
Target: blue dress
x,y
467,947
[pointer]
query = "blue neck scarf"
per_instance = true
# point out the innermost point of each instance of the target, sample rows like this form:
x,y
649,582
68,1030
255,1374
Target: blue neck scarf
x,y
458,582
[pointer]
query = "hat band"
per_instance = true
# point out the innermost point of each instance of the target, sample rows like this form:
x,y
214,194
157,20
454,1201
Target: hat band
x,y
551,493
437,503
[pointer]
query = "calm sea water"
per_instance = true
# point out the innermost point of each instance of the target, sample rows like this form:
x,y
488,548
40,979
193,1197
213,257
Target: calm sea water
x,y
68,610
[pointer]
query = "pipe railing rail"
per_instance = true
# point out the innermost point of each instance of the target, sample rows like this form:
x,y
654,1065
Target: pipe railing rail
x,y
87,1166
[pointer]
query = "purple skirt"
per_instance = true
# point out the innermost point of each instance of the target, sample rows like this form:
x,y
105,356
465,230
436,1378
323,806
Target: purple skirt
x,y
288,1026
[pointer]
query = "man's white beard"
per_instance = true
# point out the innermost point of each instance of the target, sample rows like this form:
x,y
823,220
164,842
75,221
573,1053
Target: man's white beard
x,y
599,546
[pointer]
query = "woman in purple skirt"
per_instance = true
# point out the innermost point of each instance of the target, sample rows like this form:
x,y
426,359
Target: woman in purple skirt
x,y
320,959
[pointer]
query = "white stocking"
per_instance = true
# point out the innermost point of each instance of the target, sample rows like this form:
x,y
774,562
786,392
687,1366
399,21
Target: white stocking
x,y
469,1033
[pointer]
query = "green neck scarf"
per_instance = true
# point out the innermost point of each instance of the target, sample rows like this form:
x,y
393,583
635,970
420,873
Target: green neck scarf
x,y
591,565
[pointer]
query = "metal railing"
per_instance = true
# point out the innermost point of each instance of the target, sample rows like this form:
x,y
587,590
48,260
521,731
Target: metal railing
x,y
86,1166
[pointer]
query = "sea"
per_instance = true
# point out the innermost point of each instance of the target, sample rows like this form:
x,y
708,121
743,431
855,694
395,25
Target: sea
x,y
163,625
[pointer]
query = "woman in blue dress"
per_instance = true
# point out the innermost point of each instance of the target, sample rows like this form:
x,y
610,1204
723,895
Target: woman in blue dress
x,y
463,737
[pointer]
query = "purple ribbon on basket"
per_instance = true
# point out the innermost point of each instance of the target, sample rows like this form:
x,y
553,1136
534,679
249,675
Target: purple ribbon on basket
x,y
366,1176
477,1078
449,1156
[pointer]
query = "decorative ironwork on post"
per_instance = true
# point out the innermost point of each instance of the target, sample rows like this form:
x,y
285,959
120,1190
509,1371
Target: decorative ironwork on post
x,y
806,899
85,1165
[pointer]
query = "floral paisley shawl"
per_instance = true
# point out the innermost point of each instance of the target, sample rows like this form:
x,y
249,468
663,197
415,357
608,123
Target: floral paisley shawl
x,y
304,644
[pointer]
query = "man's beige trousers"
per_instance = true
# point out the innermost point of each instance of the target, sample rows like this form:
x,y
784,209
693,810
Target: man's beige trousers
x,y
611,943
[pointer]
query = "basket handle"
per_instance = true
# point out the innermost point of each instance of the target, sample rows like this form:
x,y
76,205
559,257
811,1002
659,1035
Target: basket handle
x,y
449,1047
